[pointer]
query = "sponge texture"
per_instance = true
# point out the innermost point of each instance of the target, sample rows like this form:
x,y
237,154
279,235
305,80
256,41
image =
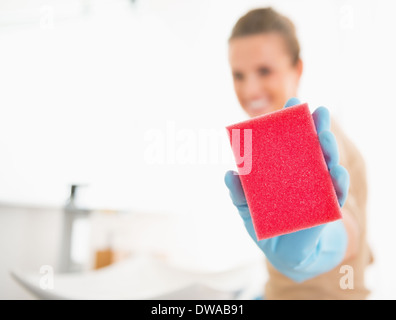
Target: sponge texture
x,y
288,187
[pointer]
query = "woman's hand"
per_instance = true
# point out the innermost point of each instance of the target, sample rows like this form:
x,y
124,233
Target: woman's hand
x,y
306,253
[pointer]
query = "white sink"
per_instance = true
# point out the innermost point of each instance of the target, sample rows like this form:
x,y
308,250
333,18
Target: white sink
x,y
147,278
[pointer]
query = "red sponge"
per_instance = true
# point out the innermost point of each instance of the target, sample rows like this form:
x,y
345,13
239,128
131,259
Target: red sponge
x,y
283,172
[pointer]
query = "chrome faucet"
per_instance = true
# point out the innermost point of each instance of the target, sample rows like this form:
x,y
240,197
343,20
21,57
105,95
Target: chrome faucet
x,y
71,213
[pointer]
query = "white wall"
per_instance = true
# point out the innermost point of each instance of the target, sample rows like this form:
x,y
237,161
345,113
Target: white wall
x,y
80,97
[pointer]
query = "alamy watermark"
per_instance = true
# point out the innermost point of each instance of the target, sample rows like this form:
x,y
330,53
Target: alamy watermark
x,y
347,280
181,146
244,161
46,17
47,278
346,17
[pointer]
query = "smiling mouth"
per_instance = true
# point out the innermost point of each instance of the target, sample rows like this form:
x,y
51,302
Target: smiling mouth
x,y
258,105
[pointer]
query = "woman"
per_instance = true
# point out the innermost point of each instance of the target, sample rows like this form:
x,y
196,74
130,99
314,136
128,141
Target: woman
x,y
264,56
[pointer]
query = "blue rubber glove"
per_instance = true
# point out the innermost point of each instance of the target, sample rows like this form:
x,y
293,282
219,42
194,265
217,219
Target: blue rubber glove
x,y
310,252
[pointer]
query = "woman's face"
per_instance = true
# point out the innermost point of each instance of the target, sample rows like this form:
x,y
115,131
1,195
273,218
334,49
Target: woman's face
x,y
263,73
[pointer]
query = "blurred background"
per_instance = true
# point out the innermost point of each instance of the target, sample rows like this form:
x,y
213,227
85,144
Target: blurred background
x,y
128,100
